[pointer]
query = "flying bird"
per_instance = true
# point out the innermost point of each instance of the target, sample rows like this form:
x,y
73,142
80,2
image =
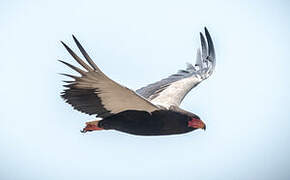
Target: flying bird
x,y
150,110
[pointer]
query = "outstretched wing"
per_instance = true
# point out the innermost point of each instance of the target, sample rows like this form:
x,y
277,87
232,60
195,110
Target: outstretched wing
x,y
171,90
95,93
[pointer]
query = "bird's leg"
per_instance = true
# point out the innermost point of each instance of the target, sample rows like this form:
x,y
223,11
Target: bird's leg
x,y
91,126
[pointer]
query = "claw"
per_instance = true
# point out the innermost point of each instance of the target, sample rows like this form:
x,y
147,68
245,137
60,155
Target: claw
x,y
91,126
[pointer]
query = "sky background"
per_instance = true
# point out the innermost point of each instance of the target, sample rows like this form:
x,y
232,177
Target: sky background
x,y
245,103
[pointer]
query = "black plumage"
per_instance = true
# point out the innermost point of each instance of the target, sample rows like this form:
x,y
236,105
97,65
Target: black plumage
x,y
151,110
161,122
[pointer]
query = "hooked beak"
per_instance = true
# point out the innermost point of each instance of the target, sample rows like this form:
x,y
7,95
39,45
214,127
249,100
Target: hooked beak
x,y
204,127
196,123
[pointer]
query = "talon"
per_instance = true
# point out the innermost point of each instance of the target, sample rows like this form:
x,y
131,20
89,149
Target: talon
x,y
91,126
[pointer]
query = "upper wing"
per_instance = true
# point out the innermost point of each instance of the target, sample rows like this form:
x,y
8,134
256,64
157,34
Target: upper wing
x,y
95,93
171,90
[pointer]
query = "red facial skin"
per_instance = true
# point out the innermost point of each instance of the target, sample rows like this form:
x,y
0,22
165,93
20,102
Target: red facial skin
x,y
196,123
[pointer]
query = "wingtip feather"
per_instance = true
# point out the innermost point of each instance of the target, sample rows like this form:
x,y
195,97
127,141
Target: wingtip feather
x,y
73,67
203,46
211,50
75,39
85,54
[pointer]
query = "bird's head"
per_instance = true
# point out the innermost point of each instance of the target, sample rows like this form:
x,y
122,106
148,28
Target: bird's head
x,y
195,123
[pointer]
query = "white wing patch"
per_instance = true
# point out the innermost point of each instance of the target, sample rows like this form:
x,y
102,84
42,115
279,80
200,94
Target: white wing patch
x,y
174,94
171,91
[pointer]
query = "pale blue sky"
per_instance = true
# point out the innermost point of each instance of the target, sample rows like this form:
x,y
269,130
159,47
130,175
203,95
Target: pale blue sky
x,y
245,104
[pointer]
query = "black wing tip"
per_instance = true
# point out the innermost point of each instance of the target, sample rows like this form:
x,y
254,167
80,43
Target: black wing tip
x,y
65,63
75,39
61,74
63,43
210,43
85,54
207,34
73,36
202,37
68,75
66,46
200,34
62,61
73,67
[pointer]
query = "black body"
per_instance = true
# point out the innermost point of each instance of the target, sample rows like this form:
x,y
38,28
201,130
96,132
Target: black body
x,y
161,122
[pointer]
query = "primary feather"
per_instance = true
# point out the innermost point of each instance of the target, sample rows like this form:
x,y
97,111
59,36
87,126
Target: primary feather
x,y
151,110
172,90
95,93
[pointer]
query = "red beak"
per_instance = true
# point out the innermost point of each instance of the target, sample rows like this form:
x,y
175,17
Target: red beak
x,y
196,123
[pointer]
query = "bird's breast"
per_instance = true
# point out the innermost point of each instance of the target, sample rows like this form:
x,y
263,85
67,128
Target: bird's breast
x,y
144,123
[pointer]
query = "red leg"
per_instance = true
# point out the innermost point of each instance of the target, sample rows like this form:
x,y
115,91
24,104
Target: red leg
x,y
91,126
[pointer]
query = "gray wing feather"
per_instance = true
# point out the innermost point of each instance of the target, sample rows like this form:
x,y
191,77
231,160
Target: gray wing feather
x,y
199,60
152,90
95,93
211,51
203,46
171,90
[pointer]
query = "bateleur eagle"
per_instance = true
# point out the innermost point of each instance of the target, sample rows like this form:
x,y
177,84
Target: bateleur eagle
x,y
150,110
